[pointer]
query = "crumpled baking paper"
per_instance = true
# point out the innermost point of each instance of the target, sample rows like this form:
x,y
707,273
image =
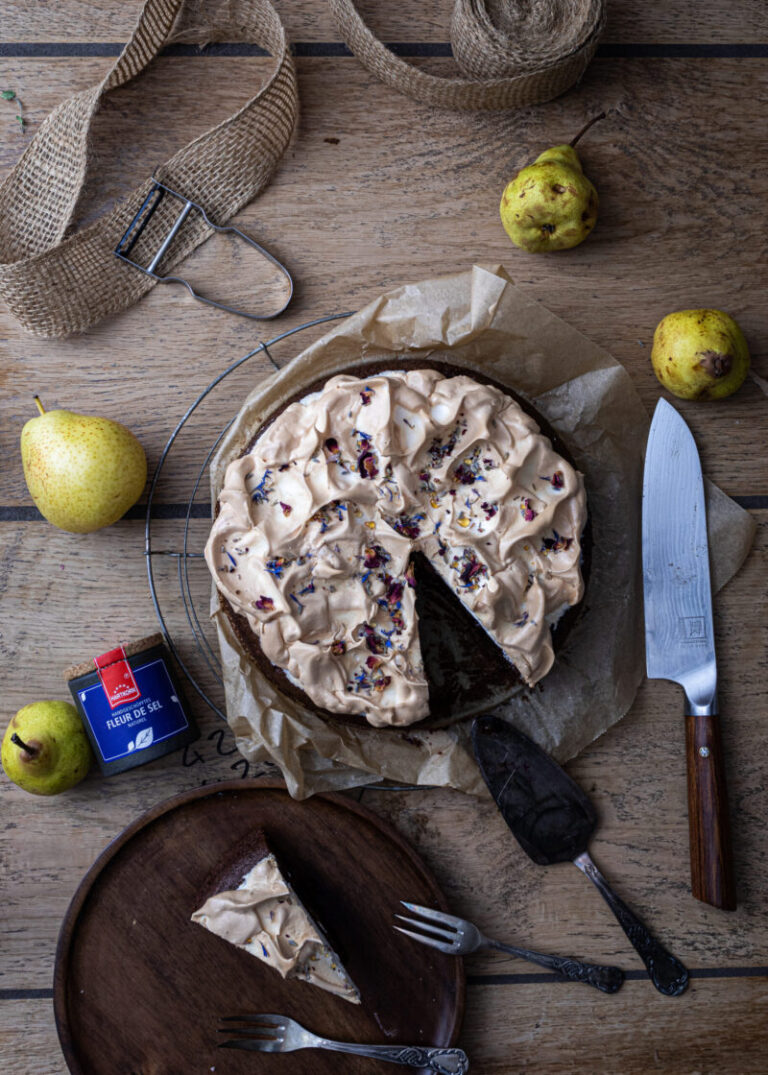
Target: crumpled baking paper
x,y
478,319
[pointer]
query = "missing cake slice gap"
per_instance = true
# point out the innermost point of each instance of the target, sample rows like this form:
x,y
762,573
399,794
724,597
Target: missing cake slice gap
x,y
466,670
263,915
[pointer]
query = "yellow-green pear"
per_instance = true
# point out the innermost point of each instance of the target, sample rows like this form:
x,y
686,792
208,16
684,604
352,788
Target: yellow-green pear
x,y
700,354
83,472
45,749
550,205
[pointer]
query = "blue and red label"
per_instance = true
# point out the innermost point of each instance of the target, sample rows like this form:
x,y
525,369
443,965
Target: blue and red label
x,y
131,712
117,677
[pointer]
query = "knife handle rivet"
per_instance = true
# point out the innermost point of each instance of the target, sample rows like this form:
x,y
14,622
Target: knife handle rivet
x,y
704,752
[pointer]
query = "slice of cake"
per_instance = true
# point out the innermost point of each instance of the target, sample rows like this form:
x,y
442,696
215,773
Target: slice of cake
x,y
264,916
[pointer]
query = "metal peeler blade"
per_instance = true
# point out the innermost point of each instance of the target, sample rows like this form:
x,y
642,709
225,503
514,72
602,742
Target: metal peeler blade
x,y
134,230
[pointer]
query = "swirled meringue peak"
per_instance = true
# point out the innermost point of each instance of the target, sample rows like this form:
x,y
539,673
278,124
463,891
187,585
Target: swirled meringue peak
x,y
317,523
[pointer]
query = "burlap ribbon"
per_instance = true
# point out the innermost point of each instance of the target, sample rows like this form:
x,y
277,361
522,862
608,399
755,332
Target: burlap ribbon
x,y
56,285
515,52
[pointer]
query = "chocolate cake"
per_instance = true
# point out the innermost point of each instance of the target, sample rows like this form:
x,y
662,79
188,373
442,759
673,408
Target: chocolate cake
x,y
323,519
249,902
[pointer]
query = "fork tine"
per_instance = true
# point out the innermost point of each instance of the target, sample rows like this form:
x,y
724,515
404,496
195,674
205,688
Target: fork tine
x,y
264,1033
267,1019
439,945
428,927
436,916
252,1045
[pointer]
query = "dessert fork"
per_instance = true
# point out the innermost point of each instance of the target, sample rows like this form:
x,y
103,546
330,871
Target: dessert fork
x,y
458,937
279,1034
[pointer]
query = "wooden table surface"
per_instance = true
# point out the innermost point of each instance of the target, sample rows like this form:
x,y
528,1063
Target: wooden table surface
x,y
377,191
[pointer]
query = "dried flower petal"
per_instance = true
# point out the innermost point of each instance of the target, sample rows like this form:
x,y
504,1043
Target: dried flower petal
x,y
489,509
375,556
527,511
366,465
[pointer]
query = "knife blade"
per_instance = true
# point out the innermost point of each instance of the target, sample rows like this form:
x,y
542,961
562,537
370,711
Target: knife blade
x,y
680,640
553,819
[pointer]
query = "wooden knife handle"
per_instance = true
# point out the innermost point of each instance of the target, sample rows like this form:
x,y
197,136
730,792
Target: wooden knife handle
x,y
710,834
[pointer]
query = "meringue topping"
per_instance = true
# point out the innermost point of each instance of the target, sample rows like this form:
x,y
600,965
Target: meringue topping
x,y
264,916
318,520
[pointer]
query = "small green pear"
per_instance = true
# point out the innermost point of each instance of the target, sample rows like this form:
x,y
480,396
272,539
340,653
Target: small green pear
x,y
45,749
83,472
550,205
700,354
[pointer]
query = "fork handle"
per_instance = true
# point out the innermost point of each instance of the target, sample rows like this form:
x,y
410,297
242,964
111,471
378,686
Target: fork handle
x,y
605,978
441,1061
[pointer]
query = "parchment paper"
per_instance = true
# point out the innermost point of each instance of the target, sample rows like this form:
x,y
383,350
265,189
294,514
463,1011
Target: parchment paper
x,y
479,319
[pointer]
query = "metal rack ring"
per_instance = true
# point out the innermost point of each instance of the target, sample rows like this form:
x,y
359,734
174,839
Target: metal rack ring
x,y
203,646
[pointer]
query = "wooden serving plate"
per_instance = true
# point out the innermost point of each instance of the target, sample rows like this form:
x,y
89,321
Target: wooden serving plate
x,y
139,988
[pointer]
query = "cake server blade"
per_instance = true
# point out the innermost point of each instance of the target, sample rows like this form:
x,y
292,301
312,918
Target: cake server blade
x,y
679,638
553,819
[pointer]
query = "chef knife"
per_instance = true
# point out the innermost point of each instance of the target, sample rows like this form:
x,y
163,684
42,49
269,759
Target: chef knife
x,y
552,820
679,639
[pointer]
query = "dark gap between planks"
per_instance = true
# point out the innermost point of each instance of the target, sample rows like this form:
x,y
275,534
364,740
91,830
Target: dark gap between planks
x,y
408,49
487,979
26,513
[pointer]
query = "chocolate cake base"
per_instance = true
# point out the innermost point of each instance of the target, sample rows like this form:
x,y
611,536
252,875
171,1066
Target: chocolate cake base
x,y
239,859
466,671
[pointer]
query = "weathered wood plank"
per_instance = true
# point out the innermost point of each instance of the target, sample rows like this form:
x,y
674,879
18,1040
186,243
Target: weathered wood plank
x,y
671,205
717,1026
29,1044
425,20
405,194
89,592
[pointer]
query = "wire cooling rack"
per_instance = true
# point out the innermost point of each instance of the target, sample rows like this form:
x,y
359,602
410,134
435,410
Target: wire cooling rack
x,y
179,513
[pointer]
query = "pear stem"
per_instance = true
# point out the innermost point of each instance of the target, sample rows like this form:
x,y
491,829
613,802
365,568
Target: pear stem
x,y
586,127
40,407
20,743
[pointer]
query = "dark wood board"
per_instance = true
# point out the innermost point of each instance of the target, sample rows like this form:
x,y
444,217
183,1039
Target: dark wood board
x,y
139,988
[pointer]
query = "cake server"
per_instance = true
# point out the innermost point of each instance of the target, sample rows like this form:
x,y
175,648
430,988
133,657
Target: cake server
x,y
553,820
679,638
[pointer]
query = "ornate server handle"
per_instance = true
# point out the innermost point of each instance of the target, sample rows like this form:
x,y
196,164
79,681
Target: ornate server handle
x,y
441,1061
665,971
607,979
